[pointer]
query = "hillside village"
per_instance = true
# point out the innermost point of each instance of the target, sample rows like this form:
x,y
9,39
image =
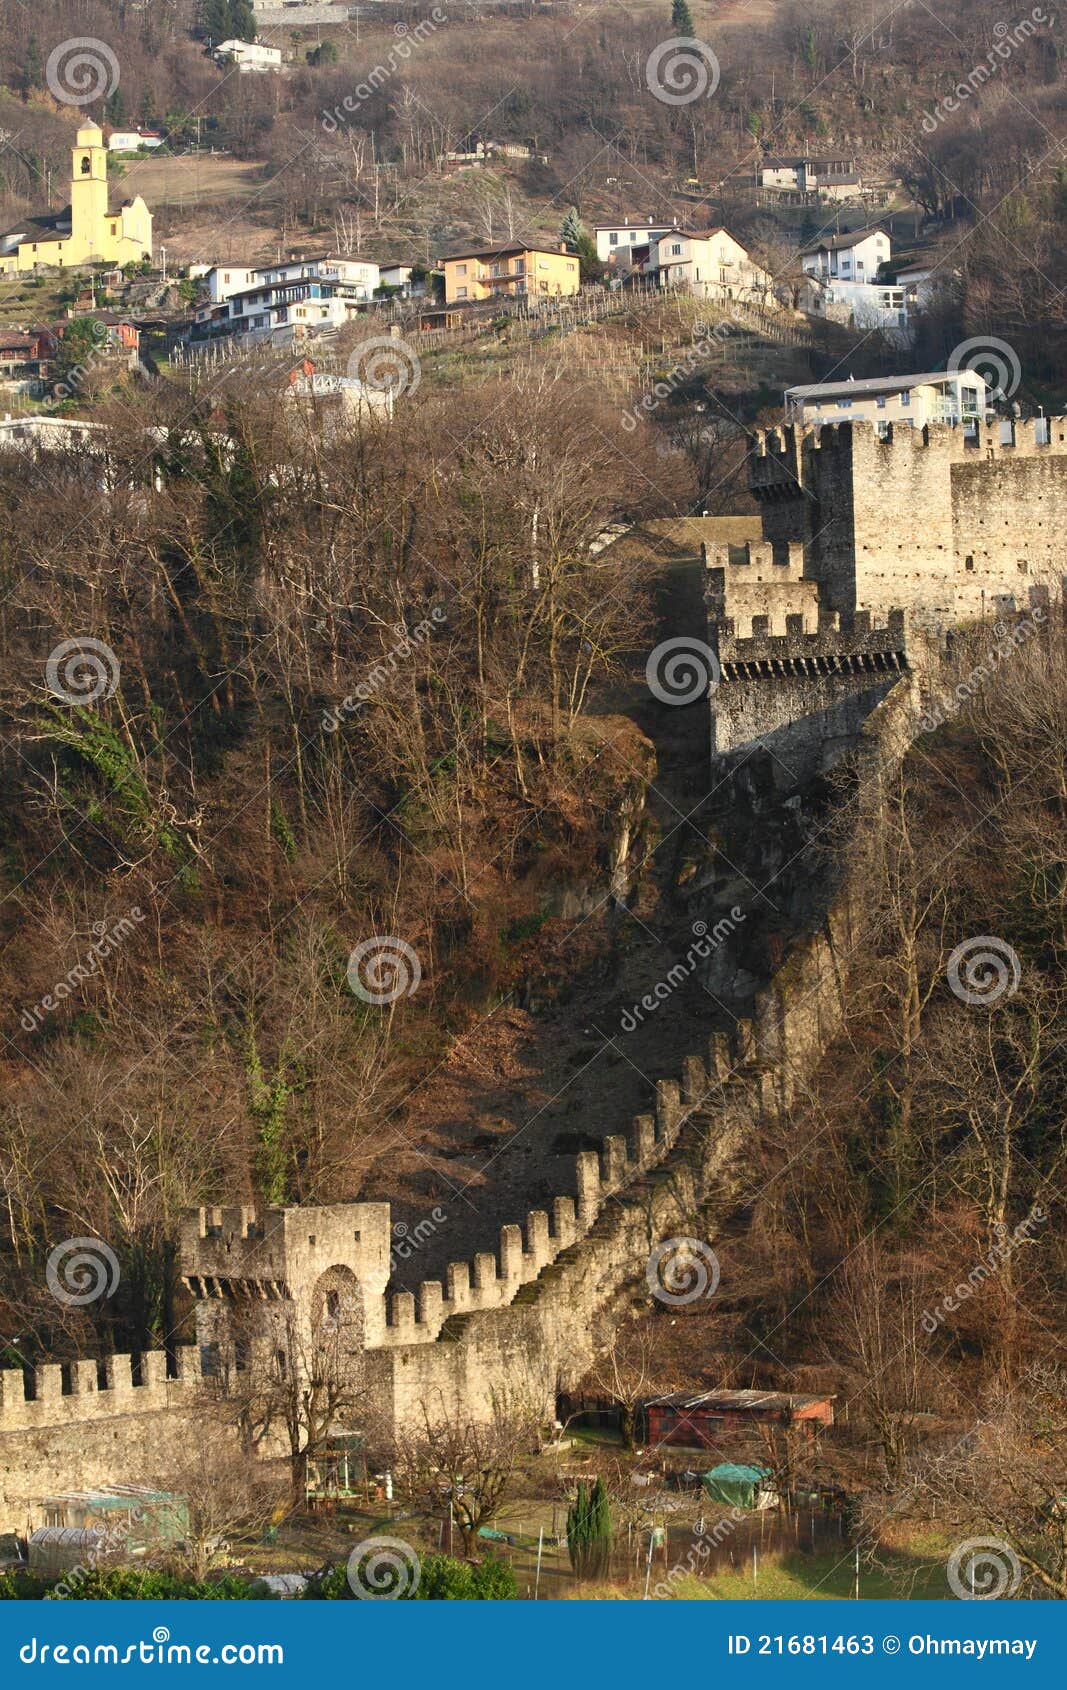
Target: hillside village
x,y
533,796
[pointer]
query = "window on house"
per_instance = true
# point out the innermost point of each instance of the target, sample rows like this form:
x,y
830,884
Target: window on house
x,y
676,251
461,269
613,240
461,293
905,398
881,404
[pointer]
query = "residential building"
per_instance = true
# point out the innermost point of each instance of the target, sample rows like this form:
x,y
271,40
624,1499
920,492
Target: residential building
x,y
222,280
941,396
711,264
615,242
514,269
87,231
249,56
856,257
861,305
133,140
284,302
24,357
806,179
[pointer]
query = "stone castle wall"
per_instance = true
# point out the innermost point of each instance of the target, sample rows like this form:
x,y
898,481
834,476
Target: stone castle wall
x,y
941,519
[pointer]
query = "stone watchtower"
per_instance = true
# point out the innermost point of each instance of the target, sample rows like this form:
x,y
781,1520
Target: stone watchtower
x,y
277,1289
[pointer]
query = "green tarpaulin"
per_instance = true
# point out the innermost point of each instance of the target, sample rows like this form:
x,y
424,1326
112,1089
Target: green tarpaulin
x,y
738,1486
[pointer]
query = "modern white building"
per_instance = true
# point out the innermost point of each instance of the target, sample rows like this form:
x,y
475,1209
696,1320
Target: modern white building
x,y
249,56
133,140
222,280
615,241
284,302
856,257
952,396
863,306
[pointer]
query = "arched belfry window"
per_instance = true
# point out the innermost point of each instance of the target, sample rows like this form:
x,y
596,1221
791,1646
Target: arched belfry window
x,y
86,165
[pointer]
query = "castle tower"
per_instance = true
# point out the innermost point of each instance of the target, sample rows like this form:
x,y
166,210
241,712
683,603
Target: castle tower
x,y
88,189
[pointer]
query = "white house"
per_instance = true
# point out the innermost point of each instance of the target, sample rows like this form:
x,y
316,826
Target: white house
x,y
711,264
857,257
615,241
133,140
953,396
222,280
861,305
249,56
359,277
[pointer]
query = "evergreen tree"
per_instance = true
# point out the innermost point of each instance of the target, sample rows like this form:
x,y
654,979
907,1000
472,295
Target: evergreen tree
x,y
32,73
242,21
571,230
682,20
589,1531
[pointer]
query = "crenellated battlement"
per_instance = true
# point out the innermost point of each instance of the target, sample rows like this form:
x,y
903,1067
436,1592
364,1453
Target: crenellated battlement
x,y
839,644
70,1393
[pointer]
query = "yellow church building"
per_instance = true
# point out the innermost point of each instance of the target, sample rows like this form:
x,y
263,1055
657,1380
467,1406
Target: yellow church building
x,y
87,232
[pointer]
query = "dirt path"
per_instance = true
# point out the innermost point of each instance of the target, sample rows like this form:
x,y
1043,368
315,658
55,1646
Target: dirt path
x,y
494,1133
